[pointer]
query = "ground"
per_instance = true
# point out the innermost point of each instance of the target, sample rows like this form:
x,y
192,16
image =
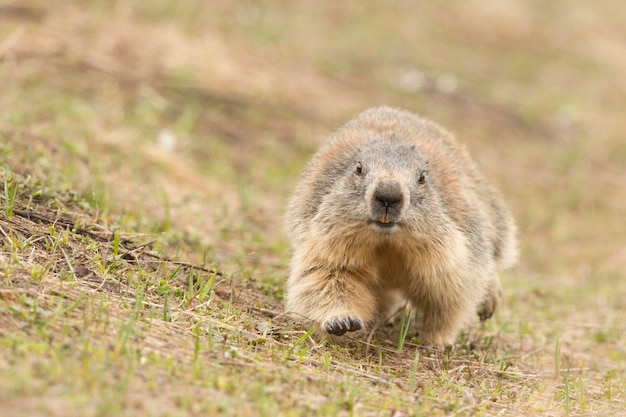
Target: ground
x,y
147,149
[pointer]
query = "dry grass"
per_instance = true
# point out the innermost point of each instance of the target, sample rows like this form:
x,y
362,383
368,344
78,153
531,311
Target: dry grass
x,y
148,148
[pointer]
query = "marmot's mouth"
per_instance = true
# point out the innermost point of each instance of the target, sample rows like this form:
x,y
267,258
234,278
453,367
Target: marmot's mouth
x,y
383,226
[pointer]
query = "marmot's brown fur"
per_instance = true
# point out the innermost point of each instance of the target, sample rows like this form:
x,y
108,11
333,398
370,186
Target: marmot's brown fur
x,y
392,205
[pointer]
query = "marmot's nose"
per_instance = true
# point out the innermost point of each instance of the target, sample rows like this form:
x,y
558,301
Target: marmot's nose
x,y
388,196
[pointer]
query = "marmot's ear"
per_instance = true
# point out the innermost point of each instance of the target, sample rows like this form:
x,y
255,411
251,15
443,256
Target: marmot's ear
x,y
412,147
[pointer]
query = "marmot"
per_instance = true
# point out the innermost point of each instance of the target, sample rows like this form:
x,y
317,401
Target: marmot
x,y
392,205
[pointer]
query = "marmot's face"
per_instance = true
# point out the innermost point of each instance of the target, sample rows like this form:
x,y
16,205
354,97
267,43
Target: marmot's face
x,y
391,179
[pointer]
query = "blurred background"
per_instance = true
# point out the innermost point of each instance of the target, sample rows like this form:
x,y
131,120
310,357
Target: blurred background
x,y
195,118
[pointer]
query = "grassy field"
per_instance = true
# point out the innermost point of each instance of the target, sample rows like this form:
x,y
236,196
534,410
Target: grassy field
x,y
147,149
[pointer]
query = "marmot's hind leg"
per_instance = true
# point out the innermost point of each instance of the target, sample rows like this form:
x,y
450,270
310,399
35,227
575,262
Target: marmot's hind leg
x,y
492,298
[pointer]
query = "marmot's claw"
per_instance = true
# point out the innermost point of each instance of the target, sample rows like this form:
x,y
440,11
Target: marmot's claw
x,y
340,325
485,316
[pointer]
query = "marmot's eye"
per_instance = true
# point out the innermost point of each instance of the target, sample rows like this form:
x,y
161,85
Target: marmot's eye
x,y
359,168
422,178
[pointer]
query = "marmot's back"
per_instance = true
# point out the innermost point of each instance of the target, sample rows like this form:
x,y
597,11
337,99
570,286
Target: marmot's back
x,y
394,201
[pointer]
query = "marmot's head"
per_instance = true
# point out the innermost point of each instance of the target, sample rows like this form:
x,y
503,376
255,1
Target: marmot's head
x,y
388,180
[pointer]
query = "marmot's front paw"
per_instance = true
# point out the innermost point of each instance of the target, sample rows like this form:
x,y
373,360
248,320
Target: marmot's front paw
x,y
342,324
